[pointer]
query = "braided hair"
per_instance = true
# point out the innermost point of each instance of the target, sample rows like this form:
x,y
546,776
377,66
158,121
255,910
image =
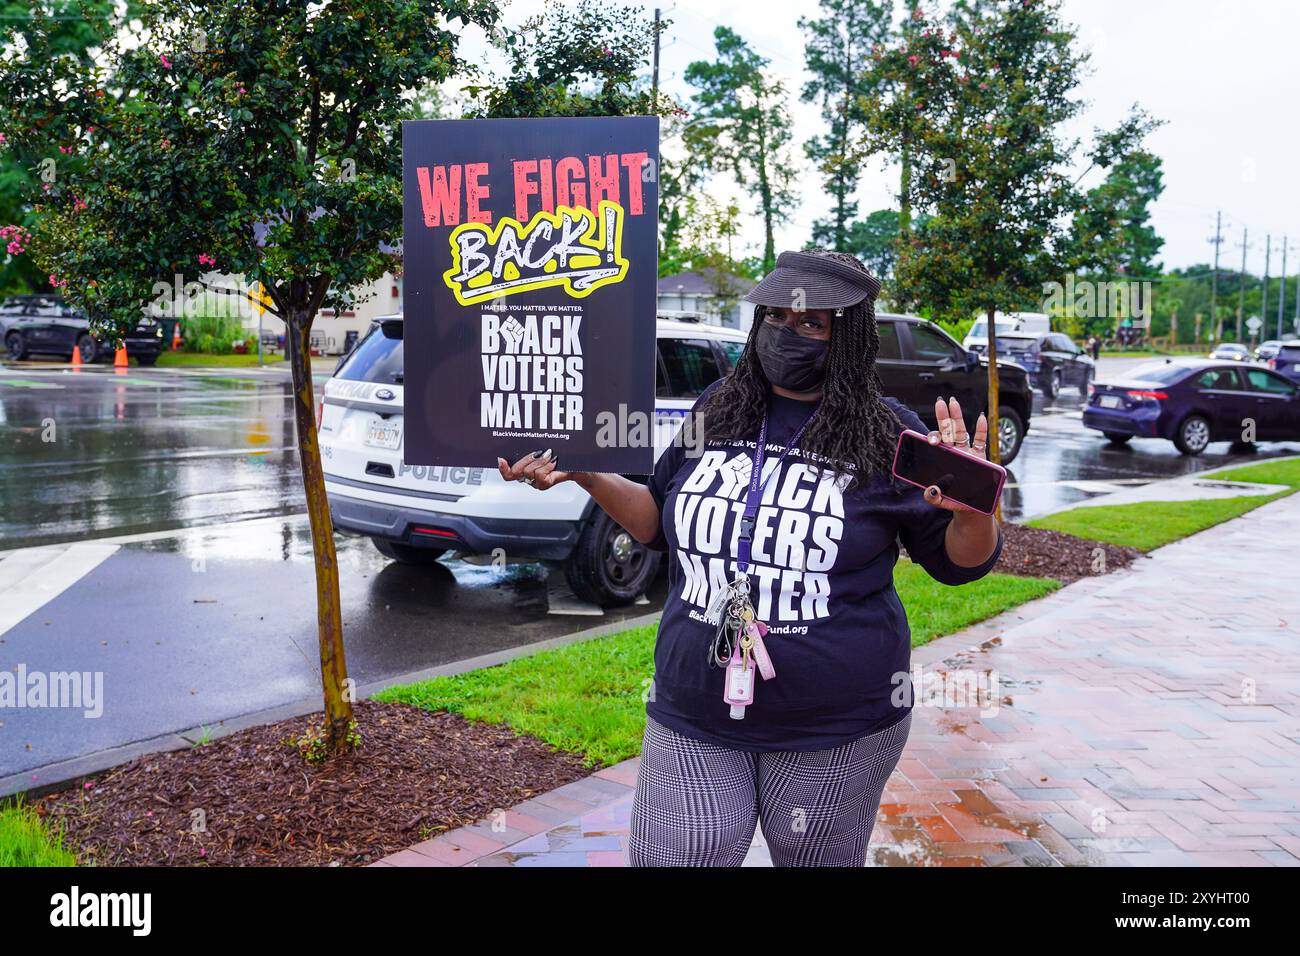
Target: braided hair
x,y
853,431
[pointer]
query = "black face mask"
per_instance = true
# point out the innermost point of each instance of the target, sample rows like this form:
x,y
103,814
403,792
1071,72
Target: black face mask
x,y
790,360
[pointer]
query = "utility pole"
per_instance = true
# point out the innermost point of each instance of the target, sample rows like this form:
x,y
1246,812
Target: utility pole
x,y
1281,301
1263,306
1214,276
654,81
1241,294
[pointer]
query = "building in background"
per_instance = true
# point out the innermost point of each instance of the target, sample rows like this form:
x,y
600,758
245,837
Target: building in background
x,y
709,297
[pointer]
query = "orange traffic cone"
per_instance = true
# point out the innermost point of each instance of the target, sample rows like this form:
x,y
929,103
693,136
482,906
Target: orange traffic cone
x,y
120,359
176,337
76,357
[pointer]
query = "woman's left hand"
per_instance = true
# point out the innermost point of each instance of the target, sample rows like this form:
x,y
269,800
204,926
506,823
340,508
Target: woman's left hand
x,y
952,432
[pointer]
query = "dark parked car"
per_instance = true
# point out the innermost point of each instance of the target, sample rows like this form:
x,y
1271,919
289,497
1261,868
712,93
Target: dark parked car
x,y
46,325
1287,361
920,362
1193,402
1052,360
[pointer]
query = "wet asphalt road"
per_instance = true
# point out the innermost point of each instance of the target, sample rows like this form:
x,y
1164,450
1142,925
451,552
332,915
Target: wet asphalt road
x,y
218,620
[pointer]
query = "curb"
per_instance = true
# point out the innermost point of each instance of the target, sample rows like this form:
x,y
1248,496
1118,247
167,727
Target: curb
x,y
39,781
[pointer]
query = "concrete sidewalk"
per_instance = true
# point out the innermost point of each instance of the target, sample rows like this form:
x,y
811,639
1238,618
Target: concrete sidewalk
x,y
1147,718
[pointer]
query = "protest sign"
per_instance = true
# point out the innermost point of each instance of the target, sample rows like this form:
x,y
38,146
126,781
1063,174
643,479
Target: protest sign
x,y
530,255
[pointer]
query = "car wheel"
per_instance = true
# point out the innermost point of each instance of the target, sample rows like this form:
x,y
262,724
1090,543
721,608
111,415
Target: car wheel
x,y
147,359
88,348
1117,438
1011,433
405,553
608,566
1193,435
16,346
1051,384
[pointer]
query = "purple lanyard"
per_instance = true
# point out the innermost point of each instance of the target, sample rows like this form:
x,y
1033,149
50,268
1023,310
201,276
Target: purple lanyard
x,y
756,484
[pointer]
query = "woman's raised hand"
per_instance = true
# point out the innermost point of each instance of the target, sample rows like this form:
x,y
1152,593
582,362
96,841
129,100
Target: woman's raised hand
x,y
952,432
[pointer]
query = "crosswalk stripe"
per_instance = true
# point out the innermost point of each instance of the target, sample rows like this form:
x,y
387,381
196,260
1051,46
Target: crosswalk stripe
x,y
40,578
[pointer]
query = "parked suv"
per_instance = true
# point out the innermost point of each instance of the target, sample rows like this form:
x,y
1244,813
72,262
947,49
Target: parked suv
x,y
920,362
46,325
1287,360
415,513
1051,358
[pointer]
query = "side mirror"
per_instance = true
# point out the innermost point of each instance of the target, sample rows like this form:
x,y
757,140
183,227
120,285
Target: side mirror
x,y
972,360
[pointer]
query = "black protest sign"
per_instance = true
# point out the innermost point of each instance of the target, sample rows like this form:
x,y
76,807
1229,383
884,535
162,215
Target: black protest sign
x,y
530,255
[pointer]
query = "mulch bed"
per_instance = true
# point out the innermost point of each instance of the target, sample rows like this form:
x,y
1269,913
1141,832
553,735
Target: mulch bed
x,y
416,774
1038,552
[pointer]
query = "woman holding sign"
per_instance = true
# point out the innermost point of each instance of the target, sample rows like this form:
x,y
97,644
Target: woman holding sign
x,y
781,692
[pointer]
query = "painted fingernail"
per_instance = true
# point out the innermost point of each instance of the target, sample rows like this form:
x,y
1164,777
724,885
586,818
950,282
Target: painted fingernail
x,y
547,455
536,453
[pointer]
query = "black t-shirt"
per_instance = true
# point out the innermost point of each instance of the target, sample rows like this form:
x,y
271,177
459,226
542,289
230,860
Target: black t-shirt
x,y
822,579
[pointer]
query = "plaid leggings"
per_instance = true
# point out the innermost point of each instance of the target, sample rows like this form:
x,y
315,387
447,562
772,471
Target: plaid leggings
x,y
696,803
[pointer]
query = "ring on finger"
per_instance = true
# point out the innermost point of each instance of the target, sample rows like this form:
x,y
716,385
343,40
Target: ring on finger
x,y
529,481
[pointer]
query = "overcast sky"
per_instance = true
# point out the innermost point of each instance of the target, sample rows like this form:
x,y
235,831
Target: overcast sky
x,y
1223,75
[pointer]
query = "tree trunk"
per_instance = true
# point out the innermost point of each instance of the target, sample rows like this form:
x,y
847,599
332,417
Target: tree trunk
x,y
995,453
333,665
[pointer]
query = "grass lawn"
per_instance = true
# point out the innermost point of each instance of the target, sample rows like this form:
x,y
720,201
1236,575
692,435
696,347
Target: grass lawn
x,y
1151,524
24,841
187,359
586,698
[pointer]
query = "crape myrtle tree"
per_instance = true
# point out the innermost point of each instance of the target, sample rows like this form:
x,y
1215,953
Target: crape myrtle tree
x,y
70,28
219,136
981,95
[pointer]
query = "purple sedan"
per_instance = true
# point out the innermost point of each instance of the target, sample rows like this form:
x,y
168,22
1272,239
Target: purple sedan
x,y
1193,402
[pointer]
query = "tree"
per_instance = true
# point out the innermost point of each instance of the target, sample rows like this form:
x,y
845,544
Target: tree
x,y
989,88
745,128
254,139
836,50
572,60
76,29
1112,231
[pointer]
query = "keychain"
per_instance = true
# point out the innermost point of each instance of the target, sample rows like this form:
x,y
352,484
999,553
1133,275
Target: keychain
x,y
738,642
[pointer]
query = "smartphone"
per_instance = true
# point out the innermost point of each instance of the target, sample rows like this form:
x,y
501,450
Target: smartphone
x,y
963,478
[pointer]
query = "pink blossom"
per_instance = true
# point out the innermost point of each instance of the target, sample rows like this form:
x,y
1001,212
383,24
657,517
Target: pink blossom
x,y
167,64
203,851
88,784
913,59
242,91
3,139
984,86
206,260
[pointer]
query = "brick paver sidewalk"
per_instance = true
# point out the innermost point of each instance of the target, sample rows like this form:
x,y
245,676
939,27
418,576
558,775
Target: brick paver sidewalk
x,y
1146,718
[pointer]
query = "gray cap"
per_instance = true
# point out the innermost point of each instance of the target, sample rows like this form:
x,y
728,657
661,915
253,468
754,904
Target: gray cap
x,y
813,281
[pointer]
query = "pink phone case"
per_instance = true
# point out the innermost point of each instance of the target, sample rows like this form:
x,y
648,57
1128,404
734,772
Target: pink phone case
x,y
1001,472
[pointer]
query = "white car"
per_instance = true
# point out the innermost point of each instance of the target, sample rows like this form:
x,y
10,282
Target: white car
x,y
977,338
416,513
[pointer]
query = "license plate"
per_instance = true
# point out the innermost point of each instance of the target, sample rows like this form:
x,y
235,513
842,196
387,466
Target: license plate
x,y
1111,401
383,434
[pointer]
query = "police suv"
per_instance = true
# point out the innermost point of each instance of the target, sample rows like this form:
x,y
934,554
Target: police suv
x,y
416,513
